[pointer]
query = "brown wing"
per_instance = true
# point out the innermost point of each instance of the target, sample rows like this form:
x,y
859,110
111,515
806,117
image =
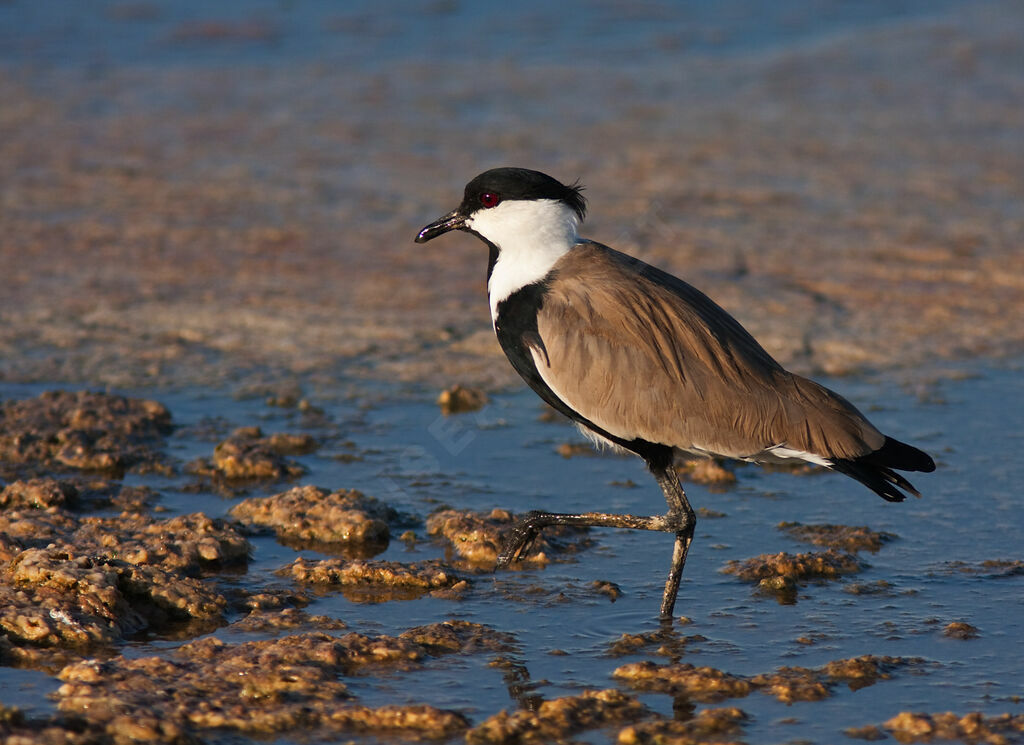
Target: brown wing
x,y
644,355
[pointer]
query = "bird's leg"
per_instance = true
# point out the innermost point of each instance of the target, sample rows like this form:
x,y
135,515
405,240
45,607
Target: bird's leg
x,y
686,520
680,520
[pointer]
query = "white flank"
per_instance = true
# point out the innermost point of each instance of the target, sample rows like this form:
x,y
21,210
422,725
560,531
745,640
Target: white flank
x,y
531,235
785,453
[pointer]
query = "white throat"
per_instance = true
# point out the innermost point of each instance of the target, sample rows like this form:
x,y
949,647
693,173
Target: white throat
x,y
531,235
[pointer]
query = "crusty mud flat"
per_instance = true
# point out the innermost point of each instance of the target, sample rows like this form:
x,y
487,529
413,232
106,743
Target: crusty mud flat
x,y
203,202
232,508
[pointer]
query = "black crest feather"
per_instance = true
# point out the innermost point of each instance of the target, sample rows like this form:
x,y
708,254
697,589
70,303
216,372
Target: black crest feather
x,y
522,183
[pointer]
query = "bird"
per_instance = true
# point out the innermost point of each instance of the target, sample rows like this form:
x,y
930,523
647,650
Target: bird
x,y
644,362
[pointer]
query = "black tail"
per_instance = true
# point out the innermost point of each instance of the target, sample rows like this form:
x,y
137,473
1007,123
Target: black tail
x,y
875,470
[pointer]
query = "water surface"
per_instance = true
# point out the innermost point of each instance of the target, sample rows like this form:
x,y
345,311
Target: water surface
x,y
504,456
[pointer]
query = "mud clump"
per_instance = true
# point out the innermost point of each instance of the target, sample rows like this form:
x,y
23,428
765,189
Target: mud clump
x,y
78,493
991,568
557,719
377,581
38,494
65,430
878,587
478,538
264,687
781,573
841,537
54,597
260,620
459,399
708,471
870,732
454,636
189,544
960,630
707,726
705,684
576,449
972,728
860,672
666,642
74,582
310,514
609,589
249,456
18,729
787,684
21,529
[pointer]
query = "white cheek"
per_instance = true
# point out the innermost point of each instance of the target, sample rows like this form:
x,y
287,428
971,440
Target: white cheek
x,y
530,235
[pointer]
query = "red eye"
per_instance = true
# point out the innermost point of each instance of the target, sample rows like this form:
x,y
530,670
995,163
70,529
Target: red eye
x,y
489,199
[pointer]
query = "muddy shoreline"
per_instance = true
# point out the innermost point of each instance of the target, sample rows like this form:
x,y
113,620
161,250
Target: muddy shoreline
x,y
856,202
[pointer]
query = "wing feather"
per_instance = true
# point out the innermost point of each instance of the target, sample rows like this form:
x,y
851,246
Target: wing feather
x,y
645,355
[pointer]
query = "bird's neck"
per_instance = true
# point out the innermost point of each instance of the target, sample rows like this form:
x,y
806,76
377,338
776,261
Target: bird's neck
x,y
526,239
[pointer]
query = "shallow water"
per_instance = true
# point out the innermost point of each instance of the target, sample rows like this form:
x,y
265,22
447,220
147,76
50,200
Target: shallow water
x,y
358,34
504,456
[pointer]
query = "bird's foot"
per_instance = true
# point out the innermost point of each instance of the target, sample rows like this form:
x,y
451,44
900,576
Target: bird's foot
x,y
519,540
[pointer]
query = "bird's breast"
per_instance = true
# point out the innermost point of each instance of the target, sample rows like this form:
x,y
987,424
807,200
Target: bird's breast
x,y
515,317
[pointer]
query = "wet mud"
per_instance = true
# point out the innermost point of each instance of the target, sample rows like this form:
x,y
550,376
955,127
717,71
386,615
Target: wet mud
x,y
236,606
971,728
787,684
854,199
82,431
781,574
311,515
259,687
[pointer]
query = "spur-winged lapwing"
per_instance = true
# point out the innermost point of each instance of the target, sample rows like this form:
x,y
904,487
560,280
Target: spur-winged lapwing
x,y
643,361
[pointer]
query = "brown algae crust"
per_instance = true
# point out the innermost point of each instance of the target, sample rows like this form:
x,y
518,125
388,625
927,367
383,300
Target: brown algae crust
x,y
782,573
263,620
704,684
54,597
707,726
840,537
316,515
787,684
247,455
558,719
972,728
376,581
960,630
74,581
82,430
258,687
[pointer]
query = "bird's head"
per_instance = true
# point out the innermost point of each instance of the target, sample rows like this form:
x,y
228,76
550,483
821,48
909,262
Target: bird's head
x,y
506,205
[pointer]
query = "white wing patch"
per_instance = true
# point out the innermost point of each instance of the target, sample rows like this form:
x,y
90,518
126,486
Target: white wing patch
x,y
781,452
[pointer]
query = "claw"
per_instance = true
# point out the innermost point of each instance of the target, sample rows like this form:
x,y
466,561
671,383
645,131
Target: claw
x,y
522,536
